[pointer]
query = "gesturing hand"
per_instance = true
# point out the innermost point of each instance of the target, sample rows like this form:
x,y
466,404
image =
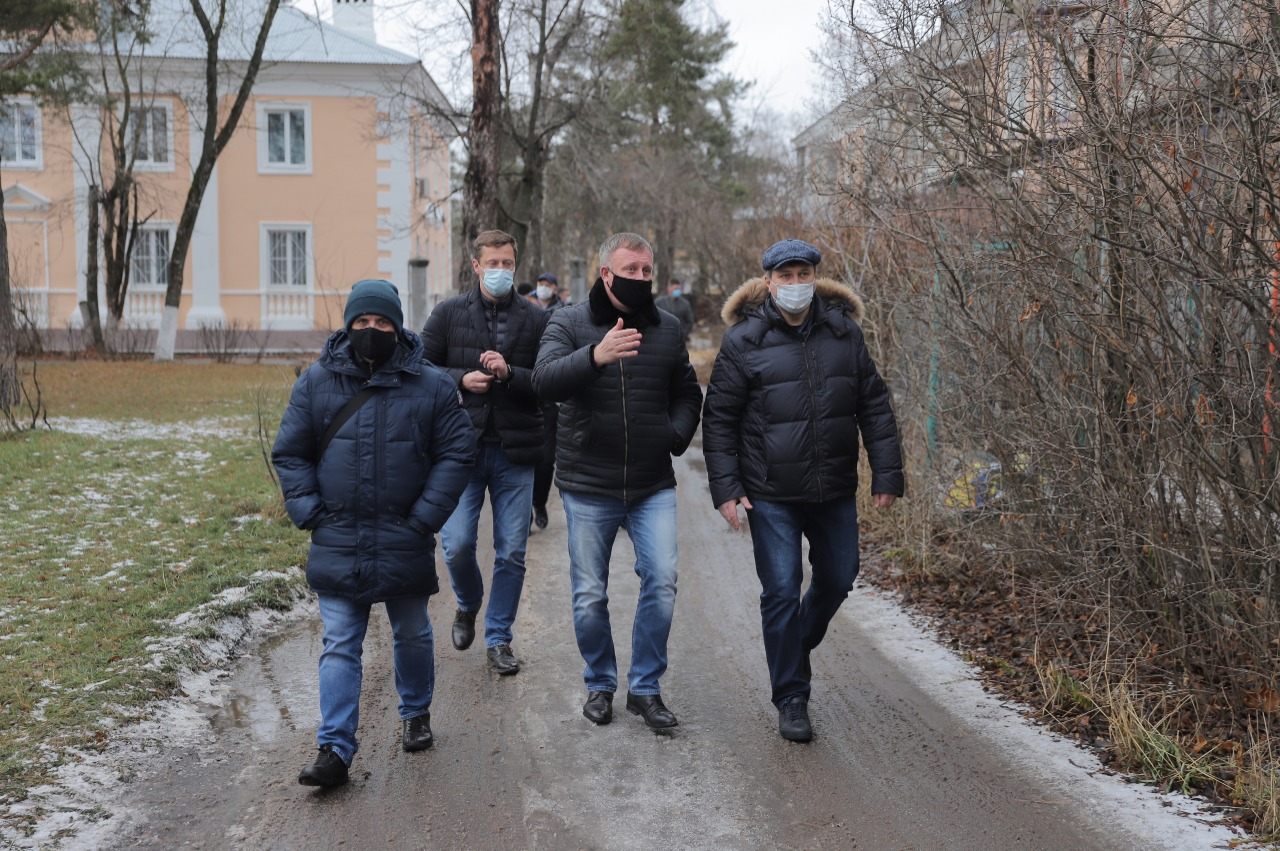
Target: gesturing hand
x,y
619,343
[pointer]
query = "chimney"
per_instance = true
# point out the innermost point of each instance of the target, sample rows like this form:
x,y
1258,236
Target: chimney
x,y
355,17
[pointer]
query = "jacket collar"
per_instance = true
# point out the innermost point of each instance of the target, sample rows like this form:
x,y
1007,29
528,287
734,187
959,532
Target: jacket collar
x,y
746,299
407,358
604,313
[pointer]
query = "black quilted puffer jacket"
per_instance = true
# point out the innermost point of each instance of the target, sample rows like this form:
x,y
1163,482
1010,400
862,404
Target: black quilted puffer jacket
x,y
785,406
619,425
457,333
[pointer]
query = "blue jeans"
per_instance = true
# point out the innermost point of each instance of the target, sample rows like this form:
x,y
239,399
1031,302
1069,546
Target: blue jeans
x,y
510,489
793,626
593,523
341,672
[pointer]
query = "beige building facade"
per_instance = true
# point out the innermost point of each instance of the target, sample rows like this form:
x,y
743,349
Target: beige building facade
x,y
335,173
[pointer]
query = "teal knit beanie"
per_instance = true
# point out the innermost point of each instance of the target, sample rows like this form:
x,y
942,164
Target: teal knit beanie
x,y
374,296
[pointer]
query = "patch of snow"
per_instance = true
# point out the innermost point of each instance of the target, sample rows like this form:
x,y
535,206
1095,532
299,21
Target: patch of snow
x,y
1155,820
75,811
217,427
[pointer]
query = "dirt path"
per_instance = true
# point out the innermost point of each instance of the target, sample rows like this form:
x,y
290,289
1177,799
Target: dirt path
x,y
909,754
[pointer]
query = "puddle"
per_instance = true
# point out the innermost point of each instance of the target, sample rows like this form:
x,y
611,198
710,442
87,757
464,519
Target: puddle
x,y
262,696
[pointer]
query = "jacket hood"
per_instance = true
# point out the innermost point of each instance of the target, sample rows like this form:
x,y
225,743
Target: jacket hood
x,y
752,294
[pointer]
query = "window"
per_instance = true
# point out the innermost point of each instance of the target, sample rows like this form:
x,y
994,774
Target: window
x,y
284,138
20,135
149,134
149,264
287,257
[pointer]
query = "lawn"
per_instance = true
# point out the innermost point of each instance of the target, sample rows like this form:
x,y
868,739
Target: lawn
x,y
148,501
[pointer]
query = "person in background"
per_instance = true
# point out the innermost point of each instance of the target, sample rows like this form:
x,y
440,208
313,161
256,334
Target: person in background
x,y
543,474
792,389
524,289
675,303
548,296
486,339
629,400
373,452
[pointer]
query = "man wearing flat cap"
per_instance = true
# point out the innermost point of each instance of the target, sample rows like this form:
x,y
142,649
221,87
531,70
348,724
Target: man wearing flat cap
x,y
792,389
373,453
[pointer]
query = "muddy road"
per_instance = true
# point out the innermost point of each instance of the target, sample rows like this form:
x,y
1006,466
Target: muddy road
x,y
908,753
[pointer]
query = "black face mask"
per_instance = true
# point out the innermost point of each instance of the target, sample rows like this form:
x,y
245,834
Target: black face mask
x,y
632,293
370,344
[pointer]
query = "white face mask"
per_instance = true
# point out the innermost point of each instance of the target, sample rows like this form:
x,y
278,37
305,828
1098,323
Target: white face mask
x,y
544,292
794,298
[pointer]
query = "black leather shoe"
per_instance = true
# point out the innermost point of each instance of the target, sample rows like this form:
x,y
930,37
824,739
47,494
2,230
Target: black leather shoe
x,y
599,707
793,720
503,660
652,709
540,516
417,733
328,770
464,629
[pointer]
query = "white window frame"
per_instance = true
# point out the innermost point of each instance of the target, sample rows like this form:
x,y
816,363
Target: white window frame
x,y
149,164
169,229
17,105
264,111
268,228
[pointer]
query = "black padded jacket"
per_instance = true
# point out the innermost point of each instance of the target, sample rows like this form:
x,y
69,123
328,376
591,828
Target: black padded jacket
x,y
457,333
786,405
619,424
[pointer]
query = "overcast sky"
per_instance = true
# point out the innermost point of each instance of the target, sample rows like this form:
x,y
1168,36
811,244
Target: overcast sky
x,y
775,39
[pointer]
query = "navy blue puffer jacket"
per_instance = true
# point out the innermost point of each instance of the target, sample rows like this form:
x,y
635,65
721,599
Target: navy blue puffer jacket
x,y
619,425
785,406
389,479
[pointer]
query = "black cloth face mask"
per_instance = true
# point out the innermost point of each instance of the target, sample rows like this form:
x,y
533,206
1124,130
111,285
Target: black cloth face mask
x,y
631,293
370,344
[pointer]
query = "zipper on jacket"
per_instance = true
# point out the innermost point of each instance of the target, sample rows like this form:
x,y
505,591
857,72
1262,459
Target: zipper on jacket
x,y
813,418
626,439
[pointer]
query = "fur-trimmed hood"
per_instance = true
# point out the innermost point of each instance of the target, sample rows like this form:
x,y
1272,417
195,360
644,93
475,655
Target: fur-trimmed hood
x,y
752,294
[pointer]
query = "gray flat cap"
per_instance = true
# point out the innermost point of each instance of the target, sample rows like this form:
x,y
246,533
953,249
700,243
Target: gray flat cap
x,y
790,251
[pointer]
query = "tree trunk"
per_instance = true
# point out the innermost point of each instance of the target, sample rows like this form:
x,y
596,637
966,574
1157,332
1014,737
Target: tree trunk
x,y
92,313
214,140
10,380
480,184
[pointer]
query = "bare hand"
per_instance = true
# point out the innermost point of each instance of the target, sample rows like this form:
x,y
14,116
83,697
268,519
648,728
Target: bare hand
x,y
496,364
883,500
729,511
476,382
619,343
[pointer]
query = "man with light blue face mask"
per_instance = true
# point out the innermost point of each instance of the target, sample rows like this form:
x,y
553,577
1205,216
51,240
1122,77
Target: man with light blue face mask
x,y
487,340
792,389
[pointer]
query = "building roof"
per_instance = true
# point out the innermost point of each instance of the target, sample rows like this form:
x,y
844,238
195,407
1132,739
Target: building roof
x,y
295,37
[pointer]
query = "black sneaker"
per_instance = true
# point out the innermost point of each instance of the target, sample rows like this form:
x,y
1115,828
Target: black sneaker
x,y
793,720
540,516
417,733
464,629
328,770
503,660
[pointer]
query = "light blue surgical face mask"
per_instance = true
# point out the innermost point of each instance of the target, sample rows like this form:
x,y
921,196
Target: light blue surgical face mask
x,y
794,298
499,281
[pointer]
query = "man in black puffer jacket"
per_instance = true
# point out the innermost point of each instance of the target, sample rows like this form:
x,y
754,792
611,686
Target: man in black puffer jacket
x,y
487,340
373,496
792,388
629,401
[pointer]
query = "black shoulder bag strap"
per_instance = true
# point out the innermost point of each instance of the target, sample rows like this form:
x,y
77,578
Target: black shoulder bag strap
x,y
348,410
